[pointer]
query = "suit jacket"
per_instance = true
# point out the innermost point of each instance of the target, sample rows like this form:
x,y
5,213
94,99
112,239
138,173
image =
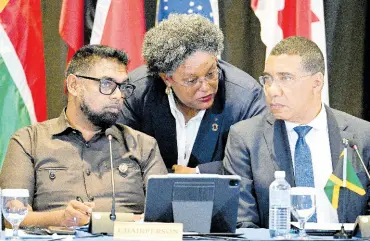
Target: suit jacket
x,y
258,147
238,97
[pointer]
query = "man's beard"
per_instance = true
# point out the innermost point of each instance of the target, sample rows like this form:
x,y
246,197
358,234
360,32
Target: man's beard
x,y
103,120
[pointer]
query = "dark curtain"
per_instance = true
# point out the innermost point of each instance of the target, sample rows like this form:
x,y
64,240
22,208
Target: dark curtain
x,y
347,28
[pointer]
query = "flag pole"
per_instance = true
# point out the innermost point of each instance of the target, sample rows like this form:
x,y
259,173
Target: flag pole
x,y
345,154
342,234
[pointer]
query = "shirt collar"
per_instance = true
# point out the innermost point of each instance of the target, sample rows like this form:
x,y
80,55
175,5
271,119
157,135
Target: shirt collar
x,y
318,123
174,109
62,124
171,100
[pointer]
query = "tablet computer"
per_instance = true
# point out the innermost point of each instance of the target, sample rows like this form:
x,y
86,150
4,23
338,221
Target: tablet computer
x,y
204,203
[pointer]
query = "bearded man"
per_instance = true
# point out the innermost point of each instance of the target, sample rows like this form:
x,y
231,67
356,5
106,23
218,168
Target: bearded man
x,y
65,162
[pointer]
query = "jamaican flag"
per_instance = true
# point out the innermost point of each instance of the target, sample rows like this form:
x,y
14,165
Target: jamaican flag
x,y
335,182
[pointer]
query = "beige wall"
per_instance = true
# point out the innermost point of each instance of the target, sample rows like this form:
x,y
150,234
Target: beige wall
x,y
55,52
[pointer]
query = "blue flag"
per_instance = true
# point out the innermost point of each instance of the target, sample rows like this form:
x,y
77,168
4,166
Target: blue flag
x,y
166,7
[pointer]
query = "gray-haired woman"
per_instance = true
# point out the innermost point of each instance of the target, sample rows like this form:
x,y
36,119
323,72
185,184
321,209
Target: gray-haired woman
x,y
186,98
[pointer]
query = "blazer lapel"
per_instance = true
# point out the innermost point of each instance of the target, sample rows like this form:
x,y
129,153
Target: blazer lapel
x,y
209,130
205,143
278,145
337,131
164,126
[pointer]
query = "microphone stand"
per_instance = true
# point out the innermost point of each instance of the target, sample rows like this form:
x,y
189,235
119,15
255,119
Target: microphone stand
x,y
361,160
113,210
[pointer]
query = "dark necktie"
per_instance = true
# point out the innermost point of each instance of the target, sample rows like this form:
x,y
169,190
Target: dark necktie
x,y
303,162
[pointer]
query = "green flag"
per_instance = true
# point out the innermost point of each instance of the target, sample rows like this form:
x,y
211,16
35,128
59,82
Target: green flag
x,y
22,71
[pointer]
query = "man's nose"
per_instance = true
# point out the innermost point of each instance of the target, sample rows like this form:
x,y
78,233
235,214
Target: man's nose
x,y
117,93
274,89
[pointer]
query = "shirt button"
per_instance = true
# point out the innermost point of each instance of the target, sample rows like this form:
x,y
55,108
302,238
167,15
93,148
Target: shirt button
x,y
88,172
74,132
52,175
87,145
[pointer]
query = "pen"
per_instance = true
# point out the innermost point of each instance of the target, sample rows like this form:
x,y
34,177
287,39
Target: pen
x,y
78,198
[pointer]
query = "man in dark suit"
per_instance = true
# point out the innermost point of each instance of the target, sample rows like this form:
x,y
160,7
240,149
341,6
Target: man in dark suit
x,y
186,98
293,80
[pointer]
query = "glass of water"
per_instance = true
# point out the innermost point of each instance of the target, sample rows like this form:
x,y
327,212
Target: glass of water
x,y
14,206
303,201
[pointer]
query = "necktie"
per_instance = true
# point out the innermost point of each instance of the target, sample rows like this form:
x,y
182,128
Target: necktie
x,y
303,162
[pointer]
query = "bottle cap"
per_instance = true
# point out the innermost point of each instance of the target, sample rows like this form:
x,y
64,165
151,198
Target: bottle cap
x,y
15,193
280,174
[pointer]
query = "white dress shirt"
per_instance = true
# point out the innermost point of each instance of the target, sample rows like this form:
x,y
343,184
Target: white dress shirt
x,y
185,132
318,141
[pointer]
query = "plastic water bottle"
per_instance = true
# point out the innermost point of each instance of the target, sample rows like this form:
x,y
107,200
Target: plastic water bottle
x,y
279,213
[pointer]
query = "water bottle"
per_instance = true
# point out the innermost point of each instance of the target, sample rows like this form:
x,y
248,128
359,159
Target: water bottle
x,y
279,212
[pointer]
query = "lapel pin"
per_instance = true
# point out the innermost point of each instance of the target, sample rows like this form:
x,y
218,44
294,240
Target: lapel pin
x,y
214,127
123,168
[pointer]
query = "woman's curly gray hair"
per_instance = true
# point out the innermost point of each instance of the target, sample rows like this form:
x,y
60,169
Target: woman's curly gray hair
x,y
167,45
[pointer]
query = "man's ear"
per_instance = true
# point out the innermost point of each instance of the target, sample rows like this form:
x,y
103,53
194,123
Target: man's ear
x,y
72,85
167,80
318,82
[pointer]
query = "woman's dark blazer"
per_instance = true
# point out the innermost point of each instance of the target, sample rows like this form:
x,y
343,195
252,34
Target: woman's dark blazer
x,y
239,97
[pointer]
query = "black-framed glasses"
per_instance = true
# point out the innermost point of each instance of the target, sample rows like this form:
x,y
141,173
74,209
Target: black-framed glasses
x,y
108,86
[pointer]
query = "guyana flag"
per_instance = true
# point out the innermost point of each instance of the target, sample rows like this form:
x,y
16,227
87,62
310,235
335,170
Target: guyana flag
x,y
335,182
22,70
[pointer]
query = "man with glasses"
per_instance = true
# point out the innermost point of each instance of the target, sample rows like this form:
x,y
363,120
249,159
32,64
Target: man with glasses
x,y
186,98
65,162
299,135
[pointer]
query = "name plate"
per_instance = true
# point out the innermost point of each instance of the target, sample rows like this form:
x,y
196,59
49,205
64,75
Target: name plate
x,y
147,231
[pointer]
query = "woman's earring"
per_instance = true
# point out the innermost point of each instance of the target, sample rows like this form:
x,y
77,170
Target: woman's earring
x,y
168,90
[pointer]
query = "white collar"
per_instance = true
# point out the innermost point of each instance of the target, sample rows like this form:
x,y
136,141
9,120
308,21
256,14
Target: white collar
x,y
174,109
318,123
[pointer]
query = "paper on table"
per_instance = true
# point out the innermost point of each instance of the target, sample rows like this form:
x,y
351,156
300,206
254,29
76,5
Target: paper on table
x,y
325,226
24,235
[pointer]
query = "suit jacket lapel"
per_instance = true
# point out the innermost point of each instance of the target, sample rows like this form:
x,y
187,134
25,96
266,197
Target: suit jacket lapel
x,y
278,145
205,143
210,129
337,131
164,125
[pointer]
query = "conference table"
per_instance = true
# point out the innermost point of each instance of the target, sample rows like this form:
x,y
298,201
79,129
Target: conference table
x,y
247,234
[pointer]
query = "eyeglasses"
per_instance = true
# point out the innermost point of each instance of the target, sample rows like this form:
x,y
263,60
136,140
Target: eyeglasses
x,y
211,76
282,80
108,86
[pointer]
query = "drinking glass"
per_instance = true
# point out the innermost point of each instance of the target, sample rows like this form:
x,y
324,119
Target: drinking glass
x,y
303,201
14,206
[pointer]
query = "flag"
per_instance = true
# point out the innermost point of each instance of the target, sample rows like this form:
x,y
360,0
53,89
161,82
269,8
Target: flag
x,y
206,8
281,19
22,69
71,25
120,24
335,182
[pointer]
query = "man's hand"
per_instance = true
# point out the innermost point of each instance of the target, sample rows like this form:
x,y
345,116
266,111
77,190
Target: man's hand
x,y
76,213
179,169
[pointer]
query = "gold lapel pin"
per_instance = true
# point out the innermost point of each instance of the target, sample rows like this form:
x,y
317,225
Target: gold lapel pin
x,y
214,127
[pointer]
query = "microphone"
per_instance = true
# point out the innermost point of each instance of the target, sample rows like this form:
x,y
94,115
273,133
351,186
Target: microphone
x,y
109,133
103,222
354,147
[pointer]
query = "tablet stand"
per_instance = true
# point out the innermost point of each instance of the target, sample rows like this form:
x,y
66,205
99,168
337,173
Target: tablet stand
x,y
193,206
